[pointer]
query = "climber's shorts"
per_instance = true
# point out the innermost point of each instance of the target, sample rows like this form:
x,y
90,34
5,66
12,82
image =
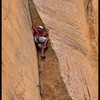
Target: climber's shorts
x,y
40,39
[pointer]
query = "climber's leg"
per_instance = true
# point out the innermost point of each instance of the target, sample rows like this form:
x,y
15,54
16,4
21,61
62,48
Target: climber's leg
x,y
44,41
43,47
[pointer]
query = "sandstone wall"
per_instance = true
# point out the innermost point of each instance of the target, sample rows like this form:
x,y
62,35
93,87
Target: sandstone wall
x,y
91,9
19,57
70,69
52,86
69,34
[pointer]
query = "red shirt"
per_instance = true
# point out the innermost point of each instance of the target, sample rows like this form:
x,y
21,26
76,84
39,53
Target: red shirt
x,y
36,32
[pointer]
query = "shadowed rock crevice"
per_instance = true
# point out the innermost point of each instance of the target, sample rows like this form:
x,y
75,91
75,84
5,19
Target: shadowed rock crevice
x,y
52,86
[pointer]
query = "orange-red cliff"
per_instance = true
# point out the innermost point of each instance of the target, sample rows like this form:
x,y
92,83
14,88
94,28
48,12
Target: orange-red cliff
x,y
19,57
71,66
73,31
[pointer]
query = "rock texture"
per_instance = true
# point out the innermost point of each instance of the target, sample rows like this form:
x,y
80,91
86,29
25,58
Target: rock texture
x,y
20,75
70,34
92,20
52,86
70,71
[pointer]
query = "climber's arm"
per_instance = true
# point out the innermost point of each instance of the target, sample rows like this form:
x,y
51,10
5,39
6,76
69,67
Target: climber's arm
x,y
33,29
33,24
45,34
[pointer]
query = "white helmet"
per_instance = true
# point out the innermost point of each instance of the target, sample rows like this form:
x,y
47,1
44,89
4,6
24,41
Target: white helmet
x,y
41,27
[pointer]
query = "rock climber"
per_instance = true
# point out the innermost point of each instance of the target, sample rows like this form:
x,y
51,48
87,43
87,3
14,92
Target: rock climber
x,y
40,38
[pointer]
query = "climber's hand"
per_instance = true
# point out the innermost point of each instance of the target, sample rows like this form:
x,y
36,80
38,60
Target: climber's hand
x,y
47,33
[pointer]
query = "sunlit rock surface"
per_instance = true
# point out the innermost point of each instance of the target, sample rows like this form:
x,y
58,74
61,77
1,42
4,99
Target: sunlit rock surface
x,y
19,58
70,35
71,66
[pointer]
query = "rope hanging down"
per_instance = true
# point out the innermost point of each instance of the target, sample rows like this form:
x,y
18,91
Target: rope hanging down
x,y
41,76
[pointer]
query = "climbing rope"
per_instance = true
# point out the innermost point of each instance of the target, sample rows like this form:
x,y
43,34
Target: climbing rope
x,y
41,76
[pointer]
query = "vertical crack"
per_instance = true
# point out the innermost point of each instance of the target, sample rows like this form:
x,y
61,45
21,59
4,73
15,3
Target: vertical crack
x,y
51,82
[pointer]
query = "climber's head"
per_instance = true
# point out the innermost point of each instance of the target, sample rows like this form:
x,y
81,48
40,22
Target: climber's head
x,y
40,28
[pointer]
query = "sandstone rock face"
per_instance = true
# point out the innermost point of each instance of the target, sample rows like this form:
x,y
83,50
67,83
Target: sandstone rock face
x,y
70,71
92,20
70,35
19,57
52,86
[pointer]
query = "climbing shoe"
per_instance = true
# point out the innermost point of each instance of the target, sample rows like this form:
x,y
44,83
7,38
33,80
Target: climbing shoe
x,y
43,57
